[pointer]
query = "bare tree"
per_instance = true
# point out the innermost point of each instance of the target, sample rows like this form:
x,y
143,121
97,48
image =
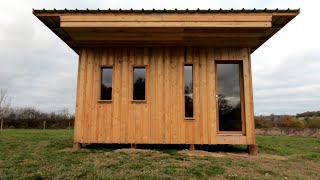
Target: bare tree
x,y
5,102
64,113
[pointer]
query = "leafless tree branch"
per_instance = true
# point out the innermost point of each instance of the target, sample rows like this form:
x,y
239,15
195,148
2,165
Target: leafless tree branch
x,y
5,102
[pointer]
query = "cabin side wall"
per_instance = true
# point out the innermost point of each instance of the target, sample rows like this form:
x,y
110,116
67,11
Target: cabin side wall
x,y
160,120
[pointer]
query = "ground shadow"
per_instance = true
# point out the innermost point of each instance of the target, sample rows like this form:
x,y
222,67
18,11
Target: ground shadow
x,y
167,148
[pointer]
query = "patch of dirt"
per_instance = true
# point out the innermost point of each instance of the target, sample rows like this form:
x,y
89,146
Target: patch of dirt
x,y
40,145
200,153
271,156
259,156
73,150
43,143
132,150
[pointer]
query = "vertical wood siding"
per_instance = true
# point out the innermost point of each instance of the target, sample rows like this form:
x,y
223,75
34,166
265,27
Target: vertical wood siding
x,y
160,120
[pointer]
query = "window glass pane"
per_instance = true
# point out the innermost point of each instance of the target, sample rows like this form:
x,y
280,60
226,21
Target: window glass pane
x,y
106,84
139,83
188,91
229,99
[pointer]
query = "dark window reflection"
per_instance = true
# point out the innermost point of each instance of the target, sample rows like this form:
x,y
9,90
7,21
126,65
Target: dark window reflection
x,y
139,83
229,97
106,84
188,91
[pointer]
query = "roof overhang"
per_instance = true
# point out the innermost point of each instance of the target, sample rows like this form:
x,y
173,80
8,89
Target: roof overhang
x,y
218,28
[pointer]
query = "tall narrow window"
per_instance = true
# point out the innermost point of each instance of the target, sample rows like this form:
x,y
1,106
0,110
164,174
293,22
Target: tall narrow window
x,y
188,91
139,83
229,97
106,83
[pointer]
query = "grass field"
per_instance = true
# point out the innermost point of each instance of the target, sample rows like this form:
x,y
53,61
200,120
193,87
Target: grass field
x,y
39,154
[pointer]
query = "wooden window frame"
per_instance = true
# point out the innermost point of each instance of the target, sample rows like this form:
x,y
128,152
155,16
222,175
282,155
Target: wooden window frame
x,y
242,98
183,90
100,79
146,84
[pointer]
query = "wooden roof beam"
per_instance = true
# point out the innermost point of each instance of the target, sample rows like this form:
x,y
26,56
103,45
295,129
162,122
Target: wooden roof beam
x,y
168,24
133,17
291,14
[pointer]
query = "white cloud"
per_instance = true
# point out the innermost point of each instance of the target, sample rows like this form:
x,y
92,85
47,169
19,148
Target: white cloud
x,y
40,70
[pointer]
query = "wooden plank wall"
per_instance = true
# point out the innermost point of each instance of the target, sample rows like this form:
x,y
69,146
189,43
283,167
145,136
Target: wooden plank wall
x,y
160,120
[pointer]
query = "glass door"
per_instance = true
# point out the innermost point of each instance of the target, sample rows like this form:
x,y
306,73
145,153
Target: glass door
x,y
229,97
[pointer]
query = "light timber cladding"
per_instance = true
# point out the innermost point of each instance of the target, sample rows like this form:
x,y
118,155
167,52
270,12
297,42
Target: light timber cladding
x,y
160,119
204,17
168,20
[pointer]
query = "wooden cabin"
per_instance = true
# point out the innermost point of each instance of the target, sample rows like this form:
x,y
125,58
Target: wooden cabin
x,y
165,76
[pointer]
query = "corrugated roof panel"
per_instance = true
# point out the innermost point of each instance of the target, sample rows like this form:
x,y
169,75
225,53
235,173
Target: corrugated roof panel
x,y
165,10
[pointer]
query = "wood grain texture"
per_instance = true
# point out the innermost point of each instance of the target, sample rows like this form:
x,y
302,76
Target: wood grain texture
x,y
205,17
160,119
195,24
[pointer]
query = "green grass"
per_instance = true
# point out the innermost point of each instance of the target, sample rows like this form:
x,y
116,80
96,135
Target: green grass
x,y
289,145
39,154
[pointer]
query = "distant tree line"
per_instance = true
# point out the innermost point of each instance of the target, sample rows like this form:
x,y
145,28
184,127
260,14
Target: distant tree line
x,y
32,118
309,114
300,121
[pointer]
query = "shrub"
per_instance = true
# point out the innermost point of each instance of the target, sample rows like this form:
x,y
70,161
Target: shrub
x,y
313,122
263,123
296,123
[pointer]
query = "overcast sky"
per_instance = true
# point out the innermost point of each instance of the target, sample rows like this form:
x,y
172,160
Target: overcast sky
x,y
39,70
